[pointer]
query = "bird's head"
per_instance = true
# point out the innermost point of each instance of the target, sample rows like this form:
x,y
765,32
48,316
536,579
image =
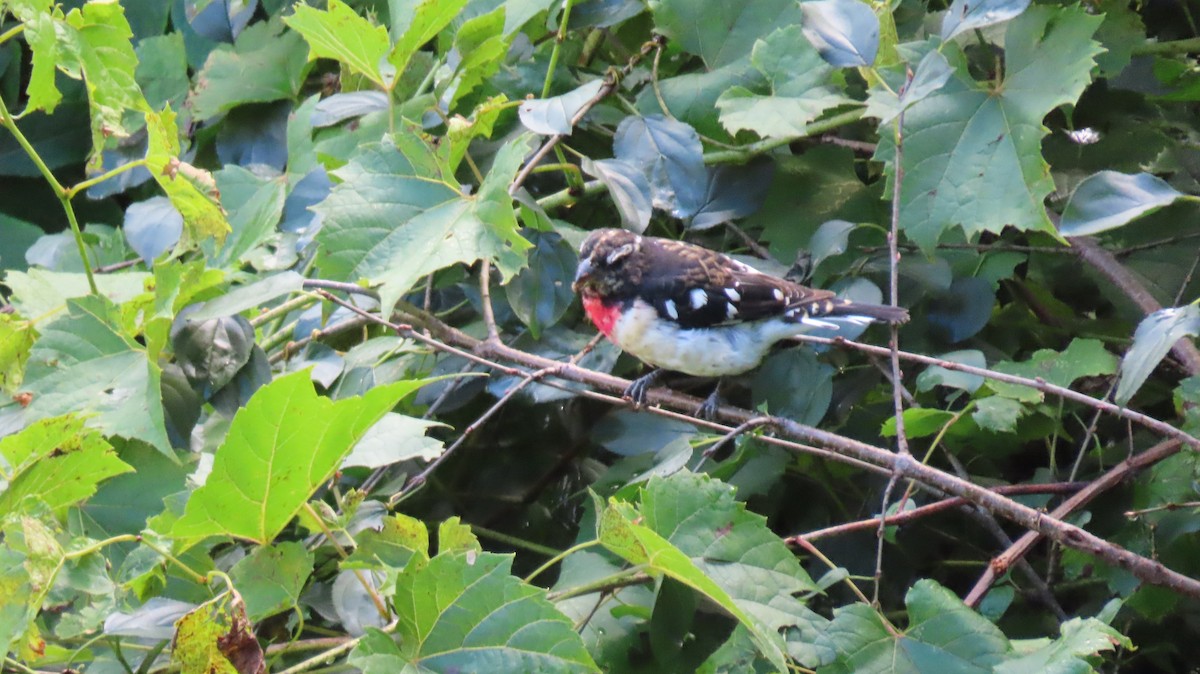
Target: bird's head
x,y
609,262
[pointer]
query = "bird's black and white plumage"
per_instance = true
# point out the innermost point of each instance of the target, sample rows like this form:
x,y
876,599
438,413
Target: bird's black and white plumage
x,y
683,307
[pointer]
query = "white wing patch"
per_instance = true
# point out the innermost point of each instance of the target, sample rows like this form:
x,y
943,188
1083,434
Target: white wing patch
x,y
698,298
778,294
733,295
672,310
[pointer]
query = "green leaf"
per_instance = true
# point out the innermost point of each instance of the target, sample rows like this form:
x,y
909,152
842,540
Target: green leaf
x,y
972,154
249,296
966,15
794,384
800,88
271,577
428,19
267,63
997,413
1108,199
454,536
41,35
340,33
943,636
395,218
931,73
919,422
464,612
101,44
721,33
670,156
1155,336
637,544
281,447
549,116
936,375
162,70
83,363
16,338
39,293
1081,358
629,189
483,46
844,32
56,462
256,205
191,190
694,531
206,638
393,439
541,293
1078,639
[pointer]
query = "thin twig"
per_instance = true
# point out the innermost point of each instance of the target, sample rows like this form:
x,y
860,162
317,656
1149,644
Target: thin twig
x,y
755,247
485,298
893,239
921,512
1160,427
117,266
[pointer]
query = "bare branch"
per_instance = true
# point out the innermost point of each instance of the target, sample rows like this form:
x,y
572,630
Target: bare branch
x,y
836,446
1160,427
1000,564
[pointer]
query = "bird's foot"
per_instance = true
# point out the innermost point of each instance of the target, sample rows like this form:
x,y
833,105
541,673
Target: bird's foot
x,y
636,391
711,405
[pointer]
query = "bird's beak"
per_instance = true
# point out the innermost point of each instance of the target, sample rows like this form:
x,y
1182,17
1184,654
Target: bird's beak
x,y
582,274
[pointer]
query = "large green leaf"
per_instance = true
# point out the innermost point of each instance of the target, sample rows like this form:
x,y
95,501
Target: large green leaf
x,y
84,363
1081,358
270,578
1155,336
56,462
800,88
689,527
463,611
192,191
946,636
267,63
723,32
943,636
97,44
281,447
972,151
339,33
396,217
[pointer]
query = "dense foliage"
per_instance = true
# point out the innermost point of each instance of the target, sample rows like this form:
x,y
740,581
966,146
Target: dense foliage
x,y
286,289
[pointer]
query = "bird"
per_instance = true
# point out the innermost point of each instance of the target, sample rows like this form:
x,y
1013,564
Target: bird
x,y
681,307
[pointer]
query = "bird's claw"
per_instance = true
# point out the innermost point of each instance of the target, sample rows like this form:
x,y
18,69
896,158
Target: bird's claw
x,y
711,405
636,392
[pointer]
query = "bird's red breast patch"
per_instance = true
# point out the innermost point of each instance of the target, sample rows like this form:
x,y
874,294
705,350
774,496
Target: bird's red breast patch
x,y
603,317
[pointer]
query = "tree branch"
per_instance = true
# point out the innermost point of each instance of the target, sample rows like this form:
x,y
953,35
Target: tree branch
x,y
1096,255
836,446
1000,564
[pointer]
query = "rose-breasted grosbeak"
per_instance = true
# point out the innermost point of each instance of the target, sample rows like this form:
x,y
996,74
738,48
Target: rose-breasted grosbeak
x,y
682,307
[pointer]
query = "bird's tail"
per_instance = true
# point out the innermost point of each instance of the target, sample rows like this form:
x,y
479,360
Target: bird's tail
x,y
879,312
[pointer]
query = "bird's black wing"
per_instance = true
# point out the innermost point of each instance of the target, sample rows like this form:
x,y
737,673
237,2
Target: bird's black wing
x,y
698,287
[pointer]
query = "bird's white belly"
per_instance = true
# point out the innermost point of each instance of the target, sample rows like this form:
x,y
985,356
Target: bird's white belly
x,y
704,352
